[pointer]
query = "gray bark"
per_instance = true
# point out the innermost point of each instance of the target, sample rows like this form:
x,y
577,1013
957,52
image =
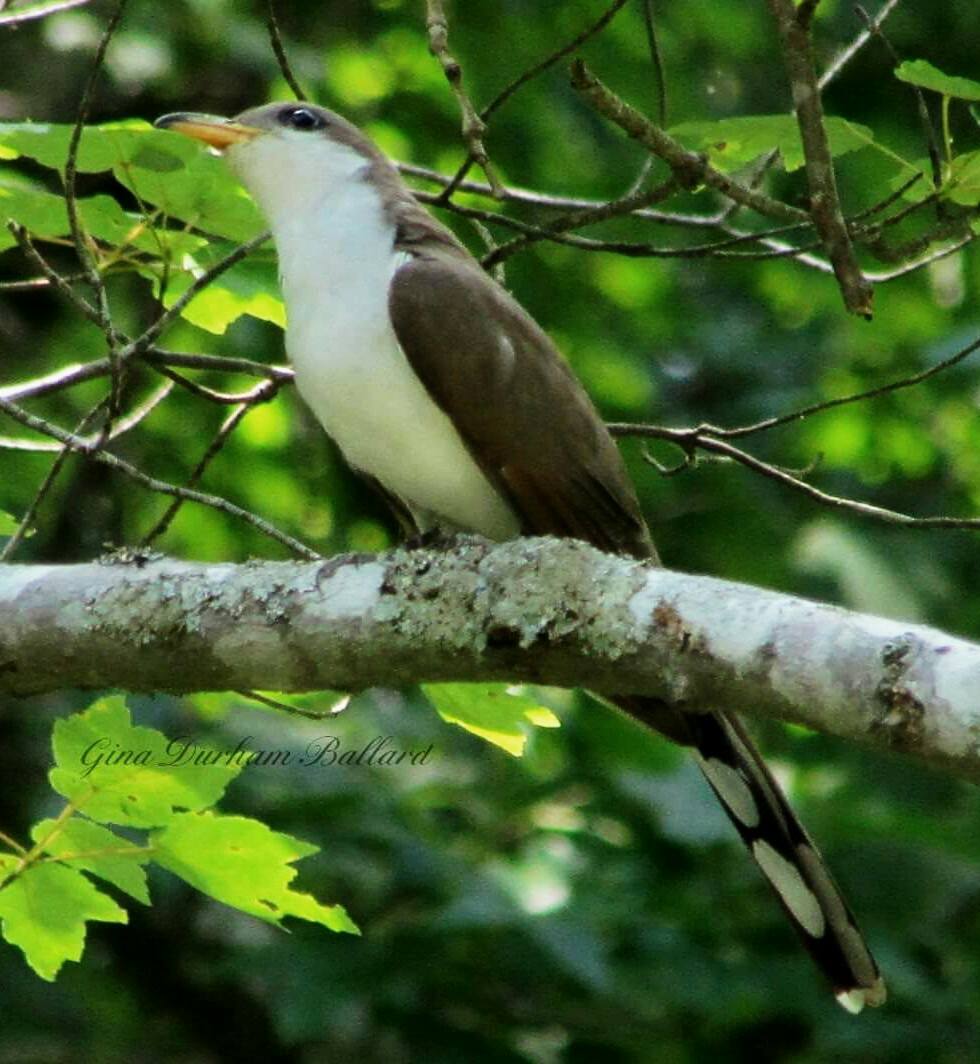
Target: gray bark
x,y
534,610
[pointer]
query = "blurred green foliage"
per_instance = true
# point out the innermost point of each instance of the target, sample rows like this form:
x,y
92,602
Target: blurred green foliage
x,y
587,901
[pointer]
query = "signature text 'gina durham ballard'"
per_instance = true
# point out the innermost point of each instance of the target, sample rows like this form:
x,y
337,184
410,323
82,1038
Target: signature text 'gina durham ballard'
x,y
326,750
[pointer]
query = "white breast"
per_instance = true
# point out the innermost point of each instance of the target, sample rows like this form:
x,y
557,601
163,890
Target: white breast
x,y
355,377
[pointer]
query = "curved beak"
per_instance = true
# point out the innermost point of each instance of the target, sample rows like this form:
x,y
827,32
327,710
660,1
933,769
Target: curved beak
x,y
218,132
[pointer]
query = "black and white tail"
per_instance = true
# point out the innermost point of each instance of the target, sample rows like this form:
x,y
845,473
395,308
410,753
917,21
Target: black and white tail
x,y
789,860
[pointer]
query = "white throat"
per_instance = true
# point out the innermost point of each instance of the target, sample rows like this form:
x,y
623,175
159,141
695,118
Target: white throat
x,y
336,261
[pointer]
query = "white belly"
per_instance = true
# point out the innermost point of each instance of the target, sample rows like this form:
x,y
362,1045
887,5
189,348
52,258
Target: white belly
x,y
364,392
337,261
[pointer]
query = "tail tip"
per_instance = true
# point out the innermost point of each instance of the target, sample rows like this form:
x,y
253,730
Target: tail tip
x,y
854,999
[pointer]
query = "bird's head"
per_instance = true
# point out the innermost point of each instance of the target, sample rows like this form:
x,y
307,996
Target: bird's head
x,y
290,156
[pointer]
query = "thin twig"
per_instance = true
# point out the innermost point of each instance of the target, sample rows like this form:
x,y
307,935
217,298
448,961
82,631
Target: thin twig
x,y
120,426
220,363
926,260
615,208
549,61
152,483
285,707
653,45
688,439
841,60
528,75
42,10
35,284
26,245
543,200
137,347
690,168
437,28
634,249
928,130
624,429
262,392
78,235
67,377
275,38
27,520
793,27
57,381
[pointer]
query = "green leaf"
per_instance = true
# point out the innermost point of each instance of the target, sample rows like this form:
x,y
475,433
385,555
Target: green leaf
x,y
926,76
44,910
732,143
244,864
80,843
118,773
961,180
8,524
249,287
45,216
161,169
201,192
963,183
496,712
100,148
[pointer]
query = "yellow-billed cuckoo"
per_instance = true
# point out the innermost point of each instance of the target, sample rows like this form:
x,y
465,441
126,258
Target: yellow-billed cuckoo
x,y
437,384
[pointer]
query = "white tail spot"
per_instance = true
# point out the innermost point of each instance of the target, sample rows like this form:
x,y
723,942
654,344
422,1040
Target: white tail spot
x,y
790,885
732,789
852,1000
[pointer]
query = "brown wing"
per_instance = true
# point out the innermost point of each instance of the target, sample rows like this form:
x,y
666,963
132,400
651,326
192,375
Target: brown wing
x,y
535,432
525,418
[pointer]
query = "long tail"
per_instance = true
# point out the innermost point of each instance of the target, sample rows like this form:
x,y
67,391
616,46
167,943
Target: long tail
x,y
779,845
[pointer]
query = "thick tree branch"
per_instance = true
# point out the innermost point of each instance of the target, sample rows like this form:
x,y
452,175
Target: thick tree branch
x,y
547,611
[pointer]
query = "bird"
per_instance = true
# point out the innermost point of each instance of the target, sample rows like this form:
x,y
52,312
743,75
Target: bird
x,y
442,390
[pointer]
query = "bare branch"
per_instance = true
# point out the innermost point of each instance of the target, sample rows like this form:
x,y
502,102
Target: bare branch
x,y
793,24
41,10
474,127
688,167
260,394
152,483
30,514
142,342
699,439
68,376
844,57
843,400
275,39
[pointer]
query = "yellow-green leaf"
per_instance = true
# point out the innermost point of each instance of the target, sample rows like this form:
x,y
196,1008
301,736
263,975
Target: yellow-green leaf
x,y
82,844
44,909
926,76
495,712
119,773
732,143
244,864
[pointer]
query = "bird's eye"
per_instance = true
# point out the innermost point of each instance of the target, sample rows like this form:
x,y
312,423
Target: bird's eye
x,y
300,118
